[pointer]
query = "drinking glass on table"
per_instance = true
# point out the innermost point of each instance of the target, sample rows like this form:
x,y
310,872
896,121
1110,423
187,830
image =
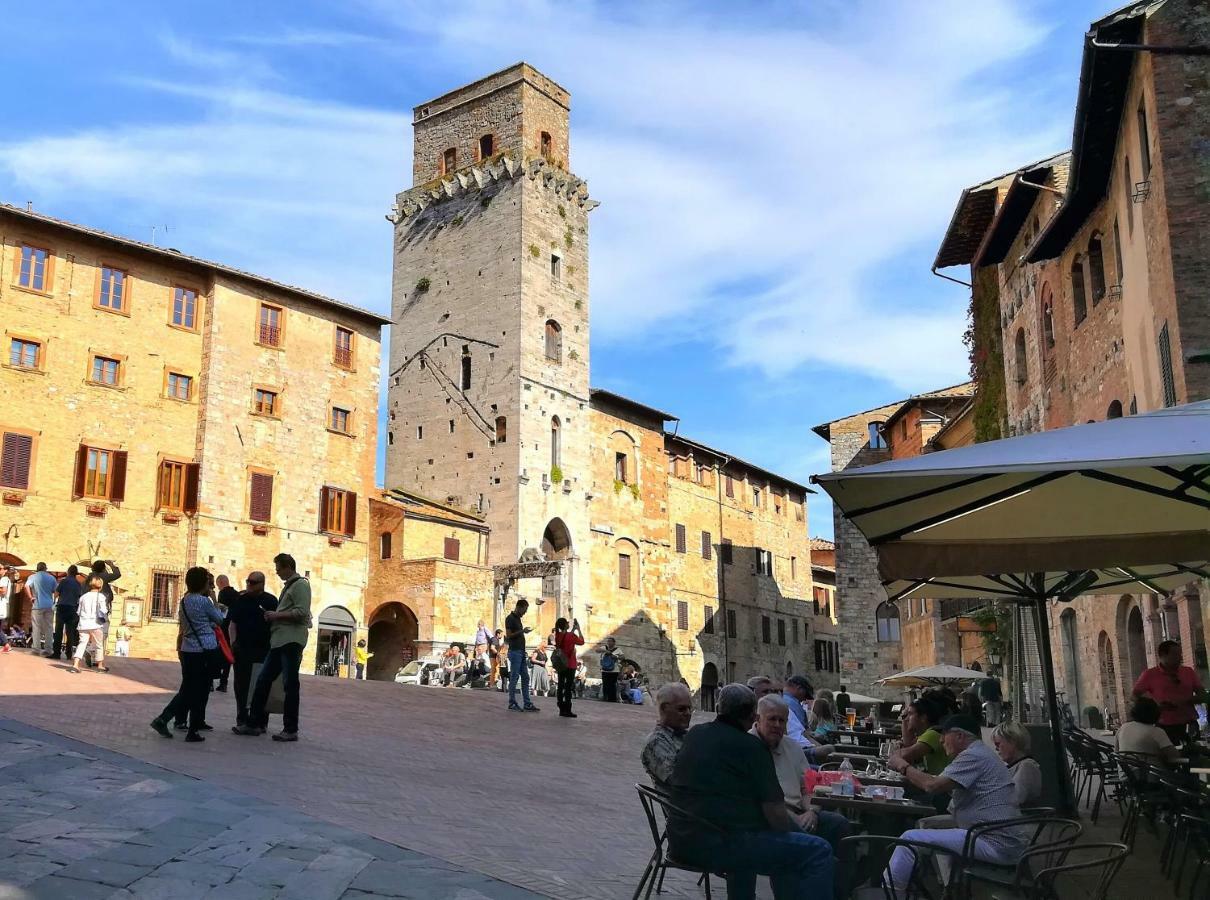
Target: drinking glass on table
x,y
851,715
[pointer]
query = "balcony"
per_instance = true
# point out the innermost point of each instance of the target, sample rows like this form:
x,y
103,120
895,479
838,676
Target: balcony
x,y
270,335
343,357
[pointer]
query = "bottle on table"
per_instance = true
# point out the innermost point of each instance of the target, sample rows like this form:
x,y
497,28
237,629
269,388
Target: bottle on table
x,y
845,784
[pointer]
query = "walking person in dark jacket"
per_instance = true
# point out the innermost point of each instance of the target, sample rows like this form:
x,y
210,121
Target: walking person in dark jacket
x,y
67,613
249,633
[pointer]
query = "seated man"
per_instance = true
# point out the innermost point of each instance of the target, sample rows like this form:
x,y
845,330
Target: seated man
x,y
1143,735
453,665
725,776
790,763
674,706
798,689
983,792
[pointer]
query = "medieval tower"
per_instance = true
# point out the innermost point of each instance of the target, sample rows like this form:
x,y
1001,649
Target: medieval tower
x,y
488,392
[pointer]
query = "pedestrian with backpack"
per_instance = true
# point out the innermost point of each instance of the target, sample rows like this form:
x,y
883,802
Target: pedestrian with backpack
x,y
564,662
610,662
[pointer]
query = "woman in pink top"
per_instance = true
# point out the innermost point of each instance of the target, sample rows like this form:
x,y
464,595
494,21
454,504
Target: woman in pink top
x,y
566,642
1175,688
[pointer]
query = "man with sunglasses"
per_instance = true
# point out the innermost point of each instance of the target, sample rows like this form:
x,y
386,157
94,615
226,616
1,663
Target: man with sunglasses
x,y
1175,688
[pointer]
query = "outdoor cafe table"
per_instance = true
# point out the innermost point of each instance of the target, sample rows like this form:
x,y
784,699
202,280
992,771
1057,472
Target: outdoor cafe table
x,y
910,810
874,738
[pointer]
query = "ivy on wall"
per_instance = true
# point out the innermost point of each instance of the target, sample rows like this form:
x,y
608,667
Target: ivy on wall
x,y
983,342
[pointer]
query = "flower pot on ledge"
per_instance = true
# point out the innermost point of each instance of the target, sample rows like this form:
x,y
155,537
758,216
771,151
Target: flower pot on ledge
x,y
260,529
95,509
171,518
335,541
13,498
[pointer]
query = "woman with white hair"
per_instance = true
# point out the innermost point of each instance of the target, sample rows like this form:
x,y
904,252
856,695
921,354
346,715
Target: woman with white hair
x,y
1012,744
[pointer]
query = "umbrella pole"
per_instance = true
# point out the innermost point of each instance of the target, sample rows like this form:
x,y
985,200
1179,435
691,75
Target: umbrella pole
x,y
1048,682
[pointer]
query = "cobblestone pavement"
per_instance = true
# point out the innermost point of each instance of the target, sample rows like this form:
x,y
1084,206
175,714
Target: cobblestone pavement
x,y
537,801
79,822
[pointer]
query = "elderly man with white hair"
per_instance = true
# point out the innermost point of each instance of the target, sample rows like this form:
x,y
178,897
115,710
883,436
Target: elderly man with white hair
x,y
983,792
726,776
674,705
790,763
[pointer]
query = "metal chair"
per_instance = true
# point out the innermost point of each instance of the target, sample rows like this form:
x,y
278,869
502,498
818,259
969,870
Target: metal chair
x,y
923,883
1110,782
661,860
1088,858
1049,837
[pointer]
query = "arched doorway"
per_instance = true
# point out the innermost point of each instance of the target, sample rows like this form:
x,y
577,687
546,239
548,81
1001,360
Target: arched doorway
x,y
709,688
1109,691
789,668
1136,643
334,641
392,640
556,540
556,544
1071,661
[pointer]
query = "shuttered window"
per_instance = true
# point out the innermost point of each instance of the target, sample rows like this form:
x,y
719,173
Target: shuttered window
x,y
452,548
730,487
707,552
708,624
16,453
100,474
732,625
178,486
680,538
624,571
682,615
725,551
338,511
260,497
766,630
781,632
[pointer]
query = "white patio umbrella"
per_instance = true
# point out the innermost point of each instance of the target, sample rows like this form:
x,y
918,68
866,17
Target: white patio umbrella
x,y
928,676
1109,506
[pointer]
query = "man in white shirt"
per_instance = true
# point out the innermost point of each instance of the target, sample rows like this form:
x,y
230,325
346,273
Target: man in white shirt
x,y
796,691
1143,736
6,591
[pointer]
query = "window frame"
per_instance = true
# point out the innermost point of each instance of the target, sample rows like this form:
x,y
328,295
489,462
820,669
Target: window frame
x,y
682,615
169,374
119,361
552,345
275,411
451,549
102,268
448,161
732,624
875,438
40,356
766,630
888,634
182,289
707,546
115,475
48,269
347,431
173,601
188,486
708,626
267,306
1144,135
385,539
682,539
337,500
351,350
625,571
1079,290
253,509
490,136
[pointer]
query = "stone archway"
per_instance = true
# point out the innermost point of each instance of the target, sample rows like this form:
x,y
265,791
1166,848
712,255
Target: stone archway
x,y
1136,644
709,688
1109,689
556,540
392,639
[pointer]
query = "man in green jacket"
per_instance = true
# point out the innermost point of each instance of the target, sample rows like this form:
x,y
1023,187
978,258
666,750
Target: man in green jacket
x,y
288,627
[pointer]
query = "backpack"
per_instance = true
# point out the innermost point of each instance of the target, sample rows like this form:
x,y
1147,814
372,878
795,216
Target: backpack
x,y
609,662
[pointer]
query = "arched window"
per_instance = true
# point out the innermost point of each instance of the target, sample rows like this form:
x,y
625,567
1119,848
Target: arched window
x,y
466,370
384,545
487,146
1096,268
1048,319
555,440
1115,410
1079,300
545,144
877,441
628,565
554,341
501,429
1019,351
886,618
449,161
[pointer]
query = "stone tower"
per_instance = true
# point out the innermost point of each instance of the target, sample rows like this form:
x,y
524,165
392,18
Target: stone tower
x,y
488,399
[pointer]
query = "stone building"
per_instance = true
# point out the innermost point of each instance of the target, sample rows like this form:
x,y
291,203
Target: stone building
x,y
697,562
1091,296
871,629
166,411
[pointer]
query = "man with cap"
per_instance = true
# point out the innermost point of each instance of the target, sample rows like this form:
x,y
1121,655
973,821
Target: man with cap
x,y
798,688
983,791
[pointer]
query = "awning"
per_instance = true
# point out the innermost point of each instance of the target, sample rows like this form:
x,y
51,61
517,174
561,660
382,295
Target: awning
x,y
927,676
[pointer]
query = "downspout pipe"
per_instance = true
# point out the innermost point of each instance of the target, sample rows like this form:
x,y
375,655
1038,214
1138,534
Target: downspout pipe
x,y
947,278
1159,49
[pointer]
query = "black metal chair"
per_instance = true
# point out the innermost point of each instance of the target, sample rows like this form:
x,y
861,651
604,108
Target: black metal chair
x,y
1196,831
1107,776
661,860
1048,837
924,883
1042,883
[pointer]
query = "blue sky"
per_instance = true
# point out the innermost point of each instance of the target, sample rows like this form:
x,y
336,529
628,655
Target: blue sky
x,y
775,176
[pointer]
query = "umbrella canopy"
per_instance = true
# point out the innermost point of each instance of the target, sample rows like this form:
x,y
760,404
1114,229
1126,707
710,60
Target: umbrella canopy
x,y
927,676
1109,506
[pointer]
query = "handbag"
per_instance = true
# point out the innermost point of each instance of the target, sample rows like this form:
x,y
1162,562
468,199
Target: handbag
x,y
276,704
224,647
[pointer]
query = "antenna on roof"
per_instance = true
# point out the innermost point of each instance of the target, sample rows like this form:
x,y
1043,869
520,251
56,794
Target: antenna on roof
x,y
155,228
29,205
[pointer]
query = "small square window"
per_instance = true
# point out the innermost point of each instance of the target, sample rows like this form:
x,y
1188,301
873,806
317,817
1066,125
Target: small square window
x,y
25,354
265,403
112,290
340,420
184,308
106,370
179,387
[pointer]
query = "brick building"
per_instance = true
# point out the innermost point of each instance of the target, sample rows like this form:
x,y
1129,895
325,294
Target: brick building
x,y
697,562
166,411
1091,296
878,638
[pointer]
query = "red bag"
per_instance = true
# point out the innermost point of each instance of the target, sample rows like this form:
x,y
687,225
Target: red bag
x,y
223,647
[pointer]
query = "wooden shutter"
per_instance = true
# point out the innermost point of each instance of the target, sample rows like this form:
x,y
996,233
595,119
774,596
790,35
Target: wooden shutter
x,y
15,459
680,538
706,548
624,571
452,547
732,624
77,485
350,513
260,499
323,508
117,476
730,487
725,549
682,615
192,473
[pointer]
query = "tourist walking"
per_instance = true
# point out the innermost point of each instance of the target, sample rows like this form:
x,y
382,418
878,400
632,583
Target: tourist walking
x,y
6,590
67,614
539,674
41,586
108,572
226,596
610,663
249,635
993,698
565,662
362,657
94,613
197,645
288,627
514,633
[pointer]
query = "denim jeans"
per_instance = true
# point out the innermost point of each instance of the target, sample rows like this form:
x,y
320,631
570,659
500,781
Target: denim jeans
x,y
284,661
832,827
800,866
518,667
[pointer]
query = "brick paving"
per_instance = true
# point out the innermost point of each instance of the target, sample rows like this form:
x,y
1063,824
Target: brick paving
x,y
545,805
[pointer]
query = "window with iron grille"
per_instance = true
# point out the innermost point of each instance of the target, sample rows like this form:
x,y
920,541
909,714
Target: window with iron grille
x,y
16,453
732,624
680,538
708,623
165,592
682,615
343,353
270,331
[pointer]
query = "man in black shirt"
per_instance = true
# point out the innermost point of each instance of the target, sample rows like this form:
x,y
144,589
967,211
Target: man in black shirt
x,y
226,596
726,776
518,666
249,634
67,613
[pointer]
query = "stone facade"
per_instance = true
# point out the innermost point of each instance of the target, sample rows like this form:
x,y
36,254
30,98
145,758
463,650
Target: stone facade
x,y
490,409
1105,303
149,421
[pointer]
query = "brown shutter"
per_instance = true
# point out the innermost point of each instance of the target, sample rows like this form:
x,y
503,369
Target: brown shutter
x,y
706,549
14,461
350,513
117,482
624,571
260,501
323,509
451,549
192,471
680,538
77,487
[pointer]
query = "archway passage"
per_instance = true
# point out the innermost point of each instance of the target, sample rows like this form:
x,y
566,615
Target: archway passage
x,y
1109,692
334,641
709,689
556,540
1136,644
392,640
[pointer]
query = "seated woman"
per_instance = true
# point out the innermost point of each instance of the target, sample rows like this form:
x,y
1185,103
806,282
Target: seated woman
x,y
823,721
921,719
983,792
1012,745
1142,734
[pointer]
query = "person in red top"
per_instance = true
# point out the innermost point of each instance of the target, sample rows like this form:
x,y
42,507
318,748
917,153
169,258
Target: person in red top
x,y
1175,688
566,642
